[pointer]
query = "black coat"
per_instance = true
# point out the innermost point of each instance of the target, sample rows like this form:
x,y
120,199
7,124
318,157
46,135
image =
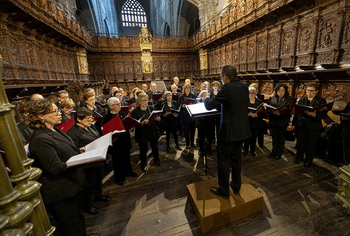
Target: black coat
x,y
234,97
123,141
144,133
50,150
169,120
81,136
255,122
281,120
184,115
312,123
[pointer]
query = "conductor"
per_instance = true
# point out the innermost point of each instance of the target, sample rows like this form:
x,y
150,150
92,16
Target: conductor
x,y
234,128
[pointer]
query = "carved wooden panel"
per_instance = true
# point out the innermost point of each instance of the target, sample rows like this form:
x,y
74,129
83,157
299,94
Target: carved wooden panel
x,y
273,48
288,43
243,51
267,88
228,54
251,58
235,53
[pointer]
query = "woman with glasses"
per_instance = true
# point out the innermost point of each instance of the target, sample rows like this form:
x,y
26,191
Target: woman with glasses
x,y
170,120
83,133
279,122
120,150
308,125
146,132
188,124
67,107
50,149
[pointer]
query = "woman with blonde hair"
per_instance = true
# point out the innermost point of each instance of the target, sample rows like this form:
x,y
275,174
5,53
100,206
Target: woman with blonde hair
x,y
188,124
146,132
67,107
169,119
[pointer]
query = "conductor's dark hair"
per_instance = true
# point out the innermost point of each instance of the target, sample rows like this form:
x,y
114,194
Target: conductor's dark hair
x,y
230,71
278,86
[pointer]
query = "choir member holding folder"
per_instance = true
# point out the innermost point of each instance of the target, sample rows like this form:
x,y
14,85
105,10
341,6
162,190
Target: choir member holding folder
x,y
255,111
279,121
67,107
145,132
50,149
308,125
83,133
169,118
189,125
89,99
120,150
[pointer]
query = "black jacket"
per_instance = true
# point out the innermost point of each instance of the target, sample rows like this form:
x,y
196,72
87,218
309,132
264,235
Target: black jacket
x,y
312,123
184,115
281,120
50,150
169,120
256,122
234,97
81,136
144,133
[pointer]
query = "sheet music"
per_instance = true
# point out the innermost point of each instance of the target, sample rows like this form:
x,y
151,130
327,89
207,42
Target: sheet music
x,y
105,140
199,108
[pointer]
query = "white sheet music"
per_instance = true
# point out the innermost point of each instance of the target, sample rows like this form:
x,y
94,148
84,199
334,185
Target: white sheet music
x,y
95,151
199,108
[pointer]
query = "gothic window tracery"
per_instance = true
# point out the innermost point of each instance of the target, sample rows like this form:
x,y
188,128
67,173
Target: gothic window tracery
x,y
133,14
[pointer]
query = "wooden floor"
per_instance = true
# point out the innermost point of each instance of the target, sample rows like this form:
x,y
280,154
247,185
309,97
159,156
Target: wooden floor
x,y
298,201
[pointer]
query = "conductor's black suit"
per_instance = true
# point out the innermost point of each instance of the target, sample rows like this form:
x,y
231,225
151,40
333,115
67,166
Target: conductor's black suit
x,y
234,128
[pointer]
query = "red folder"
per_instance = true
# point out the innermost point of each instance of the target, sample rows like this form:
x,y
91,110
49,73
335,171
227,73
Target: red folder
x,y
125,109
131,108
130,122
300,109
102,105
112,125
156,96
175,97
154,115
66,125
189,101
174,111
283,110
260,108
97,116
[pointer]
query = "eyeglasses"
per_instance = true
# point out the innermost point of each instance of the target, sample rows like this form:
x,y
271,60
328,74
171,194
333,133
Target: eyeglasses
x,y
308,90
56,112
144,100
89,118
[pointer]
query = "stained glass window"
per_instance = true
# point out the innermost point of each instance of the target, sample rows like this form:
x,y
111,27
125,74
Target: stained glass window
x,y
133,14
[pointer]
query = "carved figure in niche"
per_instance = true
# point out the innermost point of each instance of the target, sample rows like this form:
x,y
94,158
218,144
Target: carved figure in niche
x,y
147,65
251,51
108,68
14,51
235,56
326,30
223,61
165,66
267,88
119,69
287,41
180,66
156,66
305,38
138,68
42,4
242,53
128,68
172,66
228,55
273,46
213,28
241,8
261,49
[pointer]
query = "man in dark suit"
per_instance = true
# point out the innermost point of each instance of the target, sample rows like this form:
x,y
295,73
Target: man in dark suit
x,y
61,96
234,128
176,82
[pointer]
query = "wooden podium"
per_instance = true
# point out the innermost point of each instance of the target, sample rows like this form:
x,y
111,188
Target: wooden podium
x,y
213,211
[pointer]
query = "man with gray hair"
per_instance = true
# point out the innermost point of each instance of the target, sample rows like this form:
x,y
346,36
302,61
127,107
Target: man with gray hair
x,y
176,82
61,96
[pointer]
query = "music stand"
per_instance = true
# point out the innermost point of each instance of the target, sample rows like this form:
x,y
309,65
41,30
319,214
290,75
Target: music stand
x,y
197,112
206,169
